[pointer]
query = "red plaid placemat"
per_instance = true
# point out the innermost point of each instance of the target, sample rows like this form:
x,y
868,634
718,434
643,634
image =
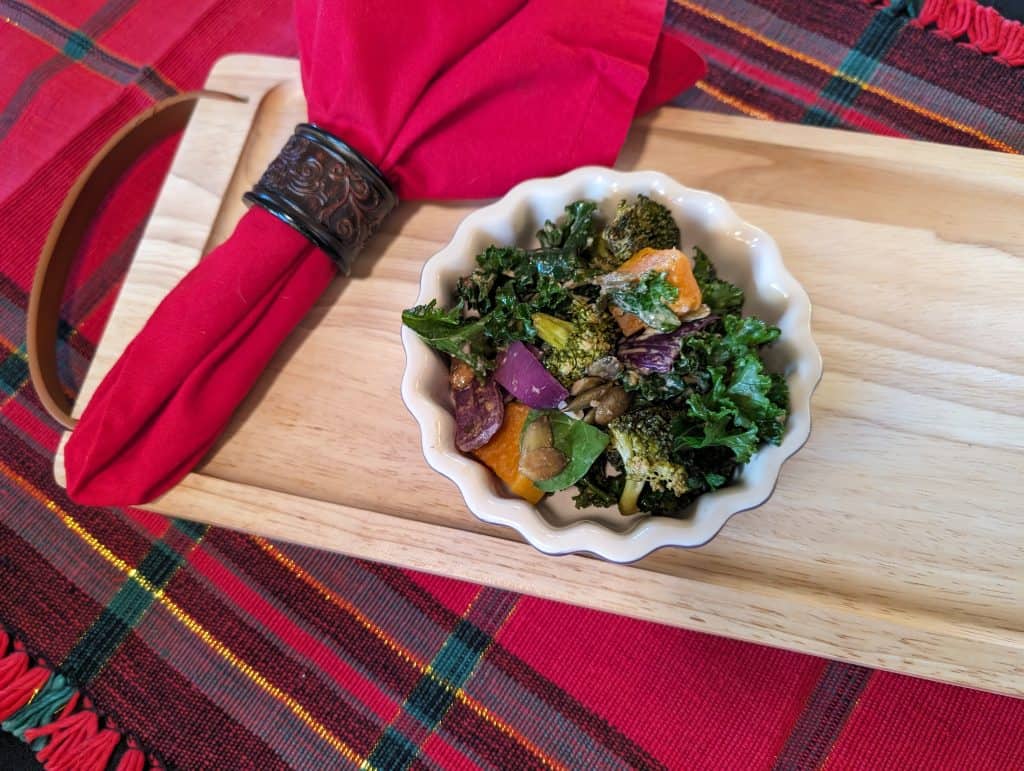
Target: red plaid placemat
x,y
133,641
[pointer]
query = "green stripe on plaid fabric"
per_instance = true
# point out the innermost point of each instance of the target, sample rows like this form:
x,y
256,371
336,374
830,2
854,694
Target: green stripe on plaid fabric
x,y
910,7
433,695
522,730
138,592
77,46
13,302
530,694
13,371
393,751
193,530
83,49
857,68
73,356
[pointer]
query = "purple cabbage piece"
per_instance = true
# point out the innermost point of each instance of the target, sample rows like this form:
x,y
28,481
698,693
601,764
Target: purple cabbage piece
x,y
523,376
657,353
479,412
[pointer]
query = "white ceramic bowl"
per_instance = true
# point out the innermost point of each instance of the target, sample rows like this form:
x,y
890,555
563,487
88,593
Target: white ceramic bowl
x,y
742,254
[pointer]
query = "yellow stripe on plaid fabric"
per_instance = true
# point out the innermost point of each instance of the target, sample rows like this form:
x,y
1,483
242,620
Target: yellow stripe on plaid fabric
x,y
732,101
810,60
9,344
428,703
98,642
406,655
320,730
249,671
14,371
20,352
388,732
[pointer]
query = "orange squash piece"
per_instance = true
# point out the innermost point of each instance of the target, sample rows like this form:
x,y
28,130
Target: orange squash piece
x,y
679,274
501,453
628,323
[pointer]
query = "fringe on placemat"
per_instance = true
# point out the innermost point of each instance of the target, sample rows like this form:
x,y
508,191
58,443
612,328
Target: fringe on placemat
x,y
981,27
42,708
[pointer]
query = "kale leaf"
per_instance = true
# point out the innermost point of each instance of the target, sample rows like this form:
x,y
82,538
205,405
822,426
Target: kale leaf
x,y
447,331
533,275
708,470
536,276
747,332
474,291
495,303
735,403
719,295
647,298
511,318
597,487
574,232
656,387
474,340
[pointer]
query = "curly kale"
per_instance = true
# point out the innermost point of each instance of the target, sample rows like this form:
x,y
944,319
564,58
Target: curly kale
x,y
574,232
656,387
495,304
599,488
538,277
533,276
473,339
720,296
447,331
736,403
637,224
647,297
707,470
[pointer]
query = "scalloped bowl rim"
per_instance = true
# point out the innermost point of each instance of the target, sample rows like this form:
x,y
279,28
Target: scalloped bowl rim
x,y
712,510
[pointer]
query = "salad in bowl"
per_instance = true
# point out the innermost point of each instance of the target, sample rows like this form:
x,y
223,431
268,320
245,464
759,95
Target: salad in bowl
x,y
607,362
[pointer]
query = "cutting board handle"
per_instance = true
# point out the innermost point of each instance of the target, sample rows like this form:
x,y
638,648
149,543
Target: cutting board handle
x,y
83,199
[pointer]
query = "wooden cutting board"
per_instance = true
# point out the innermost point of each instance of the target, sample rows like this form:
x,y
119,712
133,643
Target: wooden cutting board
x,y
895,538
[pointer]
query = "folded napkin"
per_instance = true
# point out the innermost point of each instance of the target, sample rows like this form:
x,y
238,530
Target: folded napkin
x,y
447,99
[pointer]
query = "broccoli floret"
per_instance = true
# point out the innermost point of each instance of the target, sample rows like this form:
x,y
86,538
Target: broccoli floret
x,y
638,224
644,441
577,343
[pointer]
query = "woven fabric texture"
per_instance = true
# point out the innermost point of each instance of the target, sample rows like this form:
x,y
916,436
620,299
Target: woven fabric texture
x,y
133,641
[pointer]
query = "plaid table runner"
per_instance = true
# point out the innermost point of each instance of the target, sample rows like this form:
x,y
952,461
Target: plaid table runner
x,y
131,641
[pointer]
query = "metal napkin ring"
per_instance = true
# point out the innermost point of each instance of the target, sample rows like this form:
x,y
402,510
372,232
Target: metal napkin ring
x,y
327,191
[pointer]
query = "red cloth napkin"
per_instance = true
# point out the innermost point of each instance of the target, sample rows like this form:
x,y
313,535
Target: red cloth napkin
x,y
449,100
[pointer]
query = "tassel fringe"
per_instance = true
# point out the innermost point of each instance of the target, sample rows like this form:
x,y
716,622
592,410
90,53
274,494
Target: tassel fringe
x,y
979,27
41,707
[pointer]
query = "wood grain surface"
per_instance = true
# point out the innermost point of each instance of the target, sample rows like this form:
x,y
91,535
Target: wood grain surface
x,y
895,538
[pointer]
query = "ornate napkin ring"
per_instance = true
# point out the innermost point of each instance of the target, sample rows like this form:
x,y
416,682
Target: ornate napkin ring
x,y
327,191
